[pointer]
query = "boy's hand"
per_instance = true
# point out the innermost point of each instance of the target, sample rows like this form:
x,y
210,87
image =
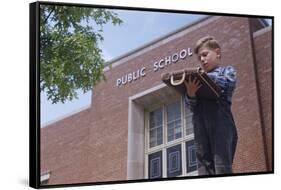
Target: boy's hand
x,y
192,86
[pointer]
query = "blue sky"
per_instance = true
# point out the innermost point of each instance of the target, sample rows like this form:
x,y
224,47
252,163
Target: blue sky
x,y
138,28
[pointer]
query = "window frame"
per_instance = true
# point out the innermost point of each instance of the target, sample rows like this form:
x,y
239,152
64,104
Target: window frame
x,y
165,145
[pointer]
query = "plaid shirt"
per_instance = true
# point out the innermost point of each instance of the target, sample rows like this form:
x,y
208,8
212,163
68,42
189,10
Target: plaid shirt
x,y
225,78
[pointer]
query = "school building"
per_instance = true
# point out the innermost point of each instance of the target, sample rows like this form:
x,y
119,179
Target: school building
x,y
138,128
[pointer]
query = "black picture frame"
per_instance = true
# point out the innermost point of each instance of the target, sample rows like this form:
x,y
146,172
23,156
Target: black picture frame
x,y
35,112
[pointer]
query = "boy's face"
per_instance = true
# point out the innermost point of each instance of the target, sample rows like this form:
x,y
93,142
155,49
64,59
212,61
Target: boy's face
x,y
209,58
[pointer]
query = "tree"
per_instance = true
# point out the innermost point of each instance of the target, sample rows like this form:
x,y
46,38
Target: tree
x,y
70,58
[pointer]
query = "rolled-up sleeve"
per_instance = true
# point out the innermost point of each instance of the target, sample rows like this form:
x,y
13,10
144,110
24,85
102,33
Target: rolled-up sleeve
x,y
226,80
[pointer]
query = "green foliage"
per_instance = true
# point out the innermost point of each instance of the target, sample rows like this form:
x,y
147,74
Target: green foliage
x,y
69,55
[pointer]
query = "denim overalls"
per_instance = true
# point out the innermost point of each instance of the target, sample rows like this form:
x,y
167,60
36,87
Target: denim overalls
x,y
214,128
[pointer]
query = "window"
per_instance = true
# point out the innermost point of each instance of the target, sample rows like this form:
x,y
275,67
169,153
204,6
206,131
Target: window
x,y
174,161
174,121
155,165
44,178
188,121
156,128
170,150
191,164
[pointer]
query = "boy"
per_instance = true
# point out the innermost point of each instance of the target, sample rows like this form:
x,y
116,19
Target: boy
x,y
214,127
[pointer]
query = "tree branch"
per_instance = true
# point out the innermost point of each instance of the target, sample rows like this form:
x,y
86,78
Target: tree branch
x,y
48,16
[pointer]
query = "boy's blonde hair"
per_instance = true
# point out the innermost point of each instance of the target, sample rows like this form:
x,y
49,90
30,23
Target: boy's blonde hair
x,y
207,41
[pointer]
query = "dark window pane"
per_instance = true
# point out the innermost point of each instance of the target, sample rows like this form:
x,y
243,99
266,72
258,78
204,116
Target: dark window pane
x,y
174,162
191,162
155,165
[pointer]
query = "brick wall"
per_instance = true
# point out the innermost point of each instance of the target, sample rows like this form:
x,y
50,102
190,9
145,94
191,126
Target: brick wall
x,y
263,51
96,139
64,149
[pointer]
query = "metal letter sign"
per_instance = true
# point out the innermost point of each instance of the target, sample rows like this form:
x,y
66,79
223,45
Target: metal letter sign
x,y
160,64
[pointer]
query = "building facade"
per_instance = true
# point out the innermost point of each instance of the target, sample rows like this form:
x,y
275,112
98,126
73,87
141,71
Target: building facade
x,y
138,128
